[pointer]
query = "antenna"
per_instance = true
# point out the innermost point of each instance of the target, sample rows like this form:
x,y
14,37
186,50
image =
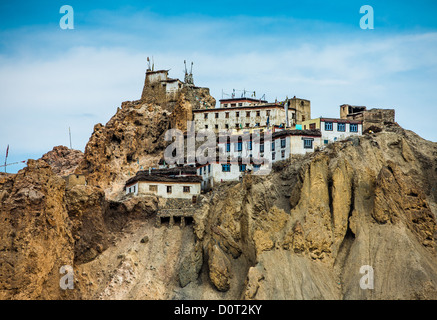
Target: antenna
x,y
6,158
191,71
69,132
148,63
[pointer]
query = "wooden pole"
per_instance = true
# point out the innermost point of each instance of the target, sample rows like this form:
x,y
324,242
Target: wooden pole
x,y
69,132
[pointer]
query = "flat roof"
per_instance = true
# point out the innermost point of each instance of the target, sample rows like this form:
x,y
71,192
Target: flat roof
x,y
243,99
340,120
157,71
259,106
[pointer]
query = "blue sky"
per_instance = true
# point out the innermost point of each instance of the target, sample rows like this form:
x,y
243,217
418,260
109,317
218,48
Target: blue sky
x,y
52,79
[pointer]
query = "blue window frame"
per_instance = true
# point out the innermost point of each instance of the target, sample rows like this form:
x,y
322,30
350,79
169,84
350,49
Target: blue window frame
x,y
307,143
200,171
273,146
250,145
261,147
353,127
242,167
328,126
226,167
228,147
283,143
238,146
209,168
341,127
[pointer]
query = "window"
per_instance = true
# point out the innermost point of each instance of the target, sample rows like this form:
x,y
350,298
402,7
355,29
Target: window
x,y
239,146
273,146
325,141
209,168
247,113
242,167
257,124
237,114
312,126
153,188
258,113
261,148
228,147
282,143
250,145
186,189
226,167
303,118
216,126
353,127
200,171
237,126
226,126
341,127
240,104
168,189
268,112
273,156
206,116
233,105
283,154
247,125
328,126
227,115
216,115
307,143
225,105
206,126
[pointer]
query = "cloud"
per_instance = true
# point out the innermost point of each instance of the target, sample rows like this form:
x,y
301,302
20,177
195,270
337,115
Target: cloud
x,y
83,81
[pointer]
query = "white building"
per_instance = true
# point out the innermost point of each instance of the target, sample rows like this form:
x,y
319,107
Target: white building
x,y
334,129
270,146
255,154
247,113
181,183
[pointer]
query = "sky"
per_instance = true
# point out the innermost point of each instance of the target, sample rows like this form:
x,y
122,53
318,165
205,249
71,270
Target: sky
x,y
53,80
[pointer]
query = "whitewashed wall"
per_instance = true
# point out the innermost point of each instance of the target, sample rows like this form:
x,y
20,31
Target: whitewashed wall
x,y
143,187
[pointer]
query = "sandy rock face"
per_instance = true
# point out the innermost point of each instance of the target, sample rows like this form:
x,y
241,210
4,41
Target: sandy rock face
x,y
63,160
35,234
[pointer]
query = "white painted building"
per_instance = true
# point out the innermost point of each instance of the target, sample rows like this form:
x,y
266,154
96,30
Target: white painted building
x,y
333,130
247,113
178,183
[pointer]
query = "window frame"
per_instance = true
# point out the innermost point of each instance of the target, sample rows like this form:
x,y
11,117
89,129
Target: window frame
x,y
355,126
226,166
305,143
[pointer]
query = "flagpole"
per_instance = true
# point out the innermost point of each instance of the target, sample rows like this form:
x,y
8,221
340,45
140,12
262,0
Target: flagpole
x,y
6,158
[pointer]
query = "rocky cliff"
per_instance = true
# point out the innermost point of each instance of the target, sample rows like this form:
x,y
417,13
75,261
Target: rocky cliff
x,y
302,232
63,160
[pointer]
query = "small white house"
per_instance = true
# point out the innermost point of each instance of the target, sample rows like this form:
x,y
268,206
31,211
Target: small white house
x,y
166,183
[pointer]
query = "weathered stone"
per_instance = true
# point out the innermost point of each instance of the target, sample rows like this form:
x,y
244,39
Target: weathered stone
x,y
219,269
